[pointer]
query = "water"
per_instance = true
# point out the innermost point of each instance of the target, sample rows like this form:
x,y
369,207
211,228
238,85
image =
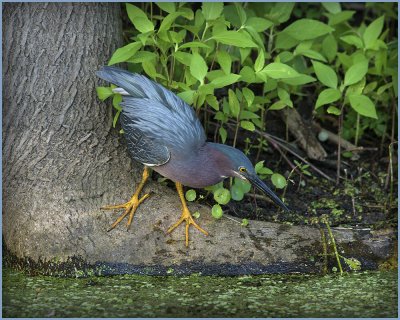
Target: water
x,y
363,294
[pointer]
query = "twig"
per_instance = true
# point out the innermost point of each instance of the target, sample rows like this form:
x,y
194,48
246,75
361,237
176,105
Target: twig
x,y
334,138
271,138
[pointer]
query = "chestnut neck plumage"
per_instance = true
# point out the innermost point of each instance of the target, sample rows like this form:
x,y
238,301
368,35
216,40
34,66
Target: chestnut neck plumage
x,y
205,167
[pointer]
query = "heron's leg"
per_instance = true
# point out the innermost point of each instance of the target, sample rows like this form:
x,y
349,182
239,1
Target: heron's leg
x,y
186,216
130,206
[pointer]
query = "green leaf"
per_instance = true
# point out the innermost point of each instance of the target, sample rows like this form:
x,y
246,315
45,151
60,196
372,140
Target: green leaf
x,y
327,96
167,21
212,10
356,72
372,32
244,114
124,53
259,24
278,70
194,44
223,134
285,97
104,92
198,67
216,211
183,57
212,101
306,29
241,13
260,61
281,11
237,193
248,125
141,56
225,61
190,195
139,19
245,222
150,69
340,17
234,38
300,80
226,80
285,41
166,6
332,7
247,75
383,88
278,105
244,185
329,47
363,105
325,74
117,98
370,87
278,180
222,196
248,95
233,103
311,54
333,110
353,40
353,263
187,96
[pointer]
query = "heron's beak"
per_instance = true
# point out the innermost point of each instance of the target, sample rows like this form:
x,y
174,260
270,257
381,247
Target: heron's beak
x,y
260,185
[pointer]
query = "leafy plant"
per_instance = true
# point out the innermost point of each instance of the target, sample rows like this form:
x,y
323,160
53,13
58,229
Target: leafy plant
x,y
236,62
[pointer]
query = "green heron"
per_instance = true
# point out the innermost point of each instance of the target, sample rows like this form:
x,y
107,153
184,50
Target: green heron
x,y
163,132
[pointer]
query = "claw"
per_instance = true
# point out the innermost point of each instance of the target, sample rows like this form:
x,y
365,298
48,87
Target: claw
x,y
186,216
130,206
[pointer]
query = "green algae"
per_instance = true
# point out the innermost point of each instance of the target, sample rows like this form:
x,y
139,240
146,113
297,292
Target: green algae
x,y
362,294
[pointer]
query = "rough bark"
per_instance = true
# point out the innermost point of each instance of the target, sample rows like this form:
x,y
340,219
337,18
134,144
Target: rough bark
x,y
62,162
60,156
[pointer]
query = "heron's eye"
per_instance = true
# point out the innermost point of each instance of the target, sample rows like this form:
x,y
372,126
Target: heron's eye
x,y
242,169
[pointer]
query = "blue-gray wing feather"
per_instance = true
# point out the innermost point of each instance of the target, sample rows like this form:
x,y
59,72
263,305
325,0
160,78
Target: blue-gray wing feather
x,y
155,120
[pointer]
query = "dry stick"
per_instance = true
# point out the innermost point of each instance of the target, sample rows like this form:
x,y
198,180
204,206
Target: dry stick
x,y
291,164
271,138
391,143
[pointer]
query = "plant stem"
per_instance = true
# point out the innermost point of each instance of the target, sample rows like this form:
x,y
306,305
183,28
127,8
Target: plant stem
x,y
339,144
324,251
236,132
357,129
325,220
271,39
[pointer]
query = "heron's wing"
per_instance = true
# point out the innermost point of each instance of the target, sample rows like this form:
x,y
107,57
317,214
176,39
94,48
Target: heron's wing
x,y
178,132
156,112
145,150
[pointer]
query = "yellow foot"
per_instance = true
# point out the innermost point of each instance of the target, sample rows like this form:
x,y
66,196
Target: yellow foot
x,y
130,208
186,216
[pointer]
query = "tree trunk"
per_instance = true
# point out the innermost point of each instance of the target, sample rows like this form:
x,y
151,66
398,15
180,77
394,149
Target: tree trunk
x,y
62,162
60,156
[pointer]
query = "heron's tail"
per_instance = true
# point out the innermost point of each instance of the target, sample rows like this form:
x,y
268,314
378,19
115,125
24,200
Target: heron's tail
x,y
134,84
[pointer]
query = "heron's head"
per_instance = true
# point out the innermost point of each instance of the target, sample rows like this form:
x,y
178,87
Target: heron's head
x,y
238,165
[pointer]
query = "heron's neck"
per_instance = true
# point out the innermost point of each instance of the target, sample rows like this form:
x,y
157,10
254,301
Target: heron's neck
x,y
219,155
